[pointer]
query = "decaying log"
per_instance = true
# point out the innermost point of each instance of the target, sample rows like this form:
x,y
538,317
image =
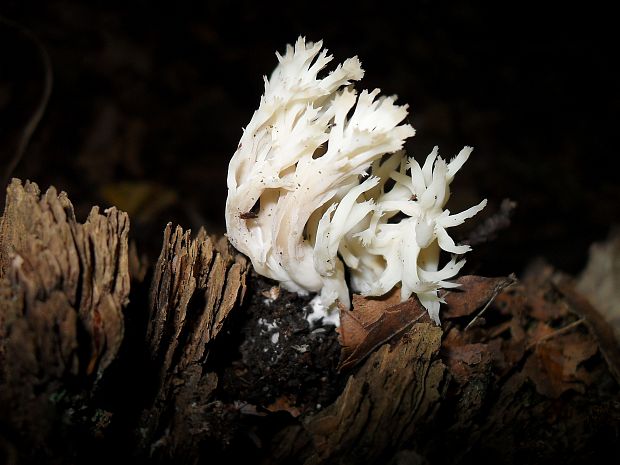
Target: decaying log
x,y
519,372
530,382
63,286
404,382
196,283
391,399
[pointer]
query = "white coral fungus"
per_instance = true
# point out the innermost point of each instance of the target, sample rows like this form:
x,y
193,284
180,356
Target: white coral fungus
x,y
298,204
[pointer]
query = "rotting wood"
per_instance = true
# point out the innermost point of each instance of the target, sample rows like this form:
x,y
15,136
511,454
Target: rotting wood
x,y
402,383
529,370
196,283
488,391
63,287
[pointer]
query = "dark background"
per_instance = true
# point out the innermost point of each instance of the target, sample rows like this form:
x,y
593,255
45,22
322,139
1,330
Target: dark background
x,y
148,103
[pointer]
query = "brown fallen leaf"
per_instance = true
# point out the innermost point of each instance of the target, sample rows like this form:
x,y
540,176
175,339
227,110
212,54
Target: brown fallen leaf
x,y
370,309
540,332
466,360
359,338
367,310
284,404
473,293
352,332
542,303
602,330
555,364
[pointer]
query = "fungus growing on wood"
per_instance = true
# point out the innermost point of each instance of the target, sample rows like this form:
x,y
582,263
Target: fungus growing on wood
x,y
308,190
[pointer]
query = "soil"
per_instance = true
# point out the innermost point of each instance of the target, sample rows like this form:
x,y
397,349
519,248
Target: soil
x,y
282,362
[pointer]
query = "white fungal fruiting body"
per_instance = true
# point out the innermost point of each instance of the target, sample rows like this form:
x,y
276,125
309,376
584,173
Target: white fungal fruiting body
x,y
383,255
297,199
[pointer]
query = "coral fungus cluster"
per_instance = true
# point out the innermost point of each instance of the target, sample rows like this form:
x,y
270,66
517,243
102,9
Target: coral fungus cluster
x,y
319,181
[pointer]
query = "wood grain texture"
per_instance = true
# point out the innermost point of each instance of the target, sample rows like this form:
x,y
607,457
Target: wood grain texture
x,y
63,288
196,283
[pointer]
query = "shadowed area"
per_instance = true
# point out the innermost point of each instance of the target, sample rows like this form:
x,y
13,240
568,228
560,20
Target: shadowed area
x,y
148,104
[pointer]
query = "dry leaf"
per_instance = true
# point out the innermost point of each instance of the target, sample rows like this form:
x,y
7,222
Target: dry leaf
x,y
284,404
554,367
359,339
370,309
473,293
466,360
351,330
598,325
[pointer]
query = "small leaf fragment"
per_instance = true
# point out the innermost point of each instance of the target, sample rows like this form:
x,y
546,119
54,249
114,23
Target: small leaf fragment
x,y
361,340
473,293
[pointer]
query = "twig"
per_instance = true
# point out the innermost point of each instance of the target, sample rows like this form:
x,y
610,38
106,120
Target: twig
x,y
484,309
492,225
35,117
599,326
562,330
